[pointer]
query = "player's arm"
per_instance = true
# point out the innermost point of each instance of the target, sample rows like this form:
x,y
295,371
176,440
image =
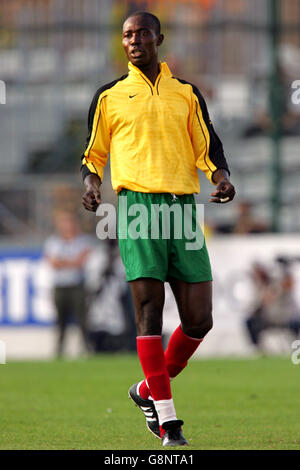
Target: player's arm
x,y
95,156
209,151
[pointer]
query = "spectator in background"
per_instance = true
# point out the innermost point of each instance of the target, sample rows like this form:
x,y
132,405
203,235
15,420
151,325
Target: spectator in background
x,y
286,310
67,252
274,303
111,309
245,222
257,320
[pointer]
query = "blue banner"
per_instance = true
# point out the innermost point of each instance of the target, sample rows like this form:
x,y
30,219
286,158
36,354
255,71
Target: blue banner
x,y
25,288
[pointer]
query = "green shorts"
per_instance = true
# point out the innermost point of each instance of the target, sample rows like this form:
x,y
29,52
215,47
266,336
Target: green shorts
x,y
160,237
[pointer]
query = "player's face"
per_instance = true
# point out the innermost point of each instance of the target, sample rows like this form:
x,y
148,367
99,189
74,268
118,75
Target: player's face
x,y
140,40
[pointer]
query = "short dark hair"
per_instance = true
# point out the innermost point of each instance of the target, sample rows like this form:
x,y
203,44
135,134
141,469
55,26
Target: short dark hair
x,y
150,16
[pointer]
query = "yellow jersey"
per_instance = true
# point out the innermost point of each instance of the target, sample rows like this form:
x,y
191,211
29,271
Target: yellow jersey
x,y
157,135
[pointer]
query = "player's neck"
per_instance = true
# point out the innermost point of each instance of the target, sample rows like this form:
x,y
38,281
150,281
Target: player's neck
x,y
151,71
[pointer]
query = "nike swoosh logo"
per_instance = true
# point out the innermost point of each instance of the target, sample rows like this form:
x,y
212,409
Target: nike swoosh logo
x,y
131,96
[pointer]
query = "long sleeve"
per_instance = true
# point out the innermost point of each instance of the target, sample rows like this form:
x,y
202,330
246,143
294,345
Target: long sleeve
x,y
208,148
95,156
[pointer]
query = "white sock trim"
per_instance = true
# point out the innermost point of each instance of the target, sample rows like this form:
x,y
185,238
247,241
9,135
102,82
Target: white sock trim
x,y
138,387
165,410
150,397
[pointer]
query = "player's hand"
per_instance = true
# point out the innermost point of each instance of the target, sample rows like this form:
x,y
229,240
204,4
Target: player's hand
x,y
224,193
92,196
91,199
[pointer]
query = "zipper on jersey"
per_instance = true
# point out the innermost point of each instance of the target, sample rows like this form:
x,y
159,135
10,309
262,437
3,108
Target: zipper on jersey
x,y
149,83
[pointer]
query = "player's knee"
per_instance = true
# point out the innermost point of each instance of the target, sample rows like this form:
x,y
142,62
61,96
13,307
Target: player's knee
x,y
149,319
199,324
198,331
207,325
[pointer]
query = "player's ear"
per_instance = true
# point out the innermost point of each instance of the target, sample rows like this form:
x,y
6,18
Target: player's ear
x,y
160,39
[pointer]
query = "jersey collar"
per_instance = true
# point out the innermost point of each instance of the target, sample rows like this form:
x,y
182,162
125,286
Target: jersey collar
x,y
165,71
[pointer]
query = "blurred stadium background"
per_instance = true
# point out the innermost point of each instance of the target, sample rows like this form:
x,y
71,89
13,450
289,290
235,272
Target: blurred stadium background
x,y
244,55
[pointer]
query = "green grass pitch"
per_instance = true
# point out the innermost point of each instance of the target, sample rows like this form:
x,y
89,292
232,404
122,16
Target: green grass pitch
x,y
83,404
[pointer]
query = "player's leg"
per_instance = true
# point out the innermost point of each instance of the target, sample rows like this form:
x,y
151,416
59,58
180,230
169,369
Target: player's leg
x,y
194,301
148,297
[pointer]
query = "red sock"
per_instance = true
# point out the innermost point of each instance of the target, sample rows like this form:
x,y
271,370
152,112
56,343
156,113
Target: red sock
x,y
144,391
180,348
152,359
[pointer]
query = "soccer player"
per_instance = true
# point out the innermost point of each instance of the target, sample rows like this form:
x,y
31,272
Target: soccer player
x,y
158,132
